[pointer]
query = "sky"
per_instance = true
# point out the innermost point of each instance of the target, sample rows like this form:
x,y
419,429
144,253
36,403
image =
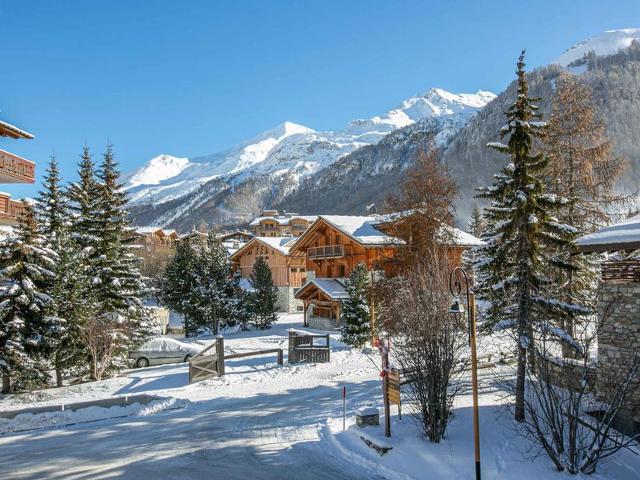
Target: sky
x,y
194,77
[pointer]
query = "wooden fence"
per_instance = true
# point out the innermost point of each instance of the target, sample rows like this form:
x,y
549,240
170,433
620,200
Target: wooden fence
x,y
205,364
303,349
621,270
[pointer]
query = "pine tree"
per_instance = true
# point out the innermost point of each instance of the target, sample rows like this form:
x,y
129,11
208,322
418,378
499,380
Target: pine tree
x,y
216,291
476,222
513,265
117,283
264,296
583,170
69,288
355,315
179,285
27,328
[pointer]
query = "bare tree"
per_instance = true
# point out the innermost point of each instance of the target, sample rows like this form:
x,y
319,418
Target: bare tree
x,y
429,341
572,426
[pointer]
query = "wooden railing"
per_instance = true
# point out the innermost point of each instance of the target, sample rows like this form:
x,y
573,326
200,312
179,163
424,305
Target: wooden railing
x,y
303,349
621,270
10,210
15,169
327,251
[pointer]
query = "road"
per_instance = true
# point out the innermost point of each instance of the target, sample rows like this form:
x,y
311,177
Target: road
x,y
267,436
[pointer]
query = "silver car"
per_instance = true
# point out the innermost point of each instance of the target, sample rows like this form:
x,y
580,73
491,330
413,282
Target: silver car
x,y
161,350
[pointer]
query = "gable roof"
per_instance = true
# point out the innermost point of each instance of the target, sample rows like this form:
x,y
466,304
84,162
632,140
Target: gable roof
x,y
280,244
332,287
620,236
361,229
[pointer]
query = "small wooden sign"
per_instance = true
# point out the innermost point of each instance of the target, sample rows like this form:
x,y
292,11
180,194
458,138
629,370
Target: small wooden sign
x,y
393,386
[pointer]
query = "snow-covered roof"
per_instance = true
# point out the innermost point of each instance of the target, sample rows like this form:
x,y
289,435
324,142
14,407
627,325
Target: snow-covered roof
x,y
8,130
149,230
281,244
620,236
459,238
361,229
332,287
283,219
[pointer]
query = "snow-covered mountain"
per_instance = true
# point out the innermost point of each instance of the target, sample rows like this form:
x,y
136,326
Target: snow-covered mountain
x,y
605,43
291,149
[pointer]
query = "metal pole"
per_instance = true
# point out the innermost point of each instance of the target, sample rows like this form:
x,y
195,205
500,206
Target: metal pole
x,y
385,391
344,408
474,382
455,286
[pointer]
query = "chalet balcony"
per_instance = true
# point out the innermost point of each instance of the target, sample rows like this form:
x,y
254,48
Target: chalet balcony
x,y
327,251
621,271
15,169
10,210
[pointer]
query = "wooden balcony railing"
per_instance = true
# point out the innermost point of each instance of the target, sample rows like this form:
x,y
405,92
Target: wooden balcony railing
x,y
621,270
327,251
15,169
10,210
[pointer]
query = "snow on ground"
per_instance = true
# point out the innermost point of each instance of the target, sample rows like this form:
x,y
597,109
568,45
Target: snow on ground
x,y
262,420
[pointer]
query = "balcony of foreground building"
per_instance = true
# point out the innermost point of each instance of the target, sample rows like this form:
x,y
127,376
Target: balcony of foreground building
x,y
326,251
10,210
15,169
621,270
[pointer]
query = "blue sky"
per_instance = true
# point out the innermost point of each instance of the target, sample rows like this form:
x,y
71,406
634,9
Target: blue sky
x,y
192,77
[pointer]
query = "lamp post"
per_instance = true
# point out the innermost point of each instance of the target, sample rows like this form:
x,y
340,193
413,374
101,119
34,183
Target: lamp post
x,y
456,279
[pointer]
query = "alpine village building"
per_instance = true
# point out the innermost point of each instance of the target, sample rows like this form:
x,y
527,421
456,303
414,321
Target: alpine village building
x,y
13,169
310,269
273,224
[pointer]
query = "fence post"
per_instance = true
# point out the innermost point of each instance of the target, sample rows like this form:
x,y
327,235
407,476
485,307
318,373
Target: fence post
x,y
292,336
280,357
220,353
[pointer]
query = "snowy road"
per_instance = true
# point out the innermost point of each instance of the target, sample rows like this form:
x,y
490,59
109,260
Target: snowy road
x,y
259,421
267,436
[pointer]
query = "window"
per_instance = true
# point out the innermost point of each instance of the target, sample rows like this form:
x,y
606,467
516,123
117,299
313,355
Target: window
x,y
341,271
338,240
300,308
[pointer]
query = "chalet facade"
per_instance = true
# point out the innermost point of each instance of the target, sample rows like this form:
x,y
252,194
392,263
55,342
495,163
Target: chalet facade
x,y
618,312
13,169
273,224
289,273
335,244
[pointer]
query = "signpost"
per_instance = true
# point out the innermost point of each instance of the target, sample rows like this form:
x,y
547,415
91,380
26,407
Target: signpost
x,y
393,389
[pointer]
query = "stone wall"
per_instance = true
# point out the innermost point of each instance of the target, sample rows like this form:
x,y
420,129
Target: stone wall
x,y
286,300
619,342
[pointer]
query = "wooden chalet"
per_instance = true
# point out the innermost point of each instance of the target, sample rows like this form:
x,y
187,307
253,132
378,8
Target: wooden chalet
x,y
334,244
13,169
273,224
331,247
289,273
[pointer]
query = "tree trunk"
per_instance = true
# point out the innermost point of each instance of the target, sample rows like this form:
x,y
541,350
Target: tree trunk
x,y
58,371
520,379
6,383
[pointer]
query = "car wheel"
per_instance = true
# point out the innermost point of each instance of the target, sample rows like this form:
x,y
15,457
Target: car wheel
x,y
186,359
142,362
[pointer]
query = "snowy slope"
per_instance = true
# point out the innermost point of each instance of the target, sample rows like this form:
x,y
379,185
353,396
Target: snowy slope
x,y
606,43
291,149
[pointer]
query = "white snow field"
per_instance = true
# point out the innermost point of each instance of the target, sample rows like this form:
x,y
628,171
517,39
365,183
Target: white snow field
x,y
264,421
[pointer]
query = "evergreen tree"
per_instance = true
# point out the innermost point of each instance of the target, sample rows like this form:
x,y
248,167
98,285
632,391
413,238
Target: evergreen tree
x,y
27,328
264,296
69,288
216,291
476,223
117,283
179,285
355,315
513,265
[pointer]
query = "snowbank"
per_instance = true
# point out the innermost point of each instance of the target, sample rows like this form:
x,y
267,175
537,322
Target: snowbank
x,y
29,421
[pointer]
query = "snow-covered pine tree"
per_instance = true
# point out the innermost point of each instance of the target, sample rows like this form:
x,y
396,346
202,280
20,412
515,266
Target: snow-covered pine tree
x,y
354,314
179,285
117,282
69,288
217,291
264,296
476,222
513,267
27,328
83,204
